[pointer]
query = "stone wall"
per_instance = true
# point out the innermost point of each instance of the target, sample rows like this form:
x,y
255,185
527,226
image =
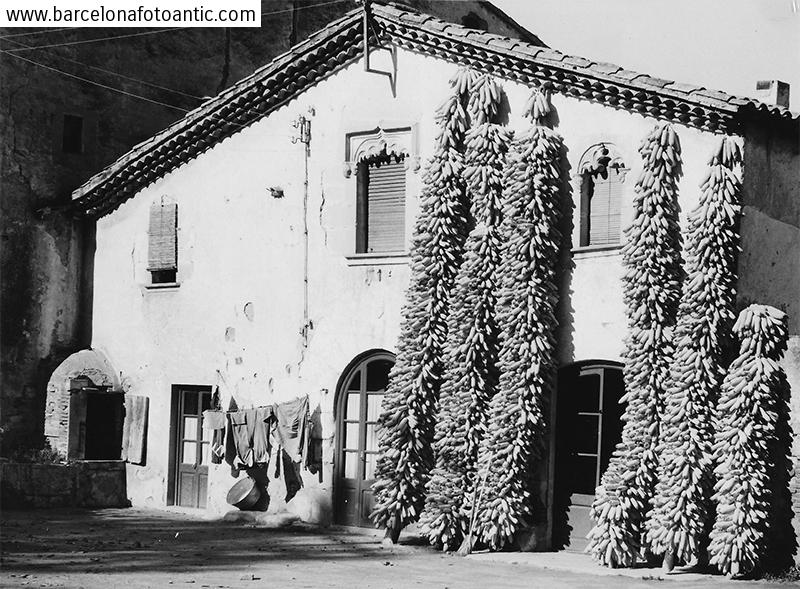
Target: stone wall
x,y
80,484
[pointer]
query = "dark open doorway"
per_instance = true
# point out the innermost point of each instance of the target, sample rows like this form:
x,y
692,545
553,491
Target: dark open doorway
x,y
588,427
104,416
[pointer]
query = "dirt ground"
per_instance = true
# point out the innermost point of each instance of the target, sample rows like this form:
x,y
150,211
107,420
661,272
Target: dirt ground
x,y
148,548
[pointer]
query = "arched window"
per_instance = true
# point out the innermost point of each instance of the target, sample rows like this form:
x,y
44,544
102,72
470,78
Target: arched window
x,y
358,406
602,175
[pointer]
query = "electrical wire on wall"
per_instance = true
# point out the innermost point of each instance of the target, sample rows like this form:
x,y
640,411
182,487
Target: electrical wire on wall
x,y
303,135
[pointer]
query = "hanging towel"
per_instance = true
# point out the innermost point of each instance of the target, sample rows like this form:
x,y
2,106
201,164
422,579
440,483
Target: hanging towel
x,y
214,421
291,433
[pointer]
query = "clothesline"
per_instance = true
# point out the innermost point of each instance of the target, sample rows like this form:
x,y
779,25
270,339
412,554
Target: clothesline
x,y
260,406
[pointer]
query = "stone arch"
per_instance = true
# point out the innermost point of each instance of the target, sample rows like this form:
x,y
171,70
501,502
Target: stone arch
x,y
82,370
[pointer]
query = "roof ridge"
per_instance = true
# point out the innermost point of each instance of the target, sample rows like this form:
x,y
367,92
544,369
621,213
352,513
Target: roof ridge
x,y
472,35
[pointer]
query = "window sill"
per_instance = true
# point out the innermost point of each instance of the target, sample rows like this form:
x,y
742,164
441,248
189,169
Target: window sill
x,y
378,259
162,286
596,251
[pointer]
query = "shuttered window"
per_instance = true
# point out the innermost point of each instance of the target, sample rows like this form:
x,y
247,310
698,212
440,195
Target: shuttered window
x,y
162,259
381,217
601,206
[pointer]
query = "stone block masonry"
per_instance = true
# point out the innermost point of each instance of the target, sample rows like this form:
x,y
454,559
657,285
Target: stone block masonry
x,y
98,483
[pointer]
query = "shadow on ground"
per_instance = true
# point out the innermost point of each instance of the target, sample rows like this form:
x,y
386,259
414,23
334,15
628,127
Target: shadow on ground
x,y
124,540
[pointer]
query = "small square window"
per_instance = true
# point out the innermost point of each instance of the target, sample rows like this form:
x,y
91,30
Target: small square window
x,y
72,135
164,276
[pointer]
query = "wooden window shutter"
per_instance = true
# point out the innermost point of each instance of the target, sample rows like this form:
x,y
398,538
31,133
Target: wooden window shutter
x,y
605,209
386,206
134,429
163,250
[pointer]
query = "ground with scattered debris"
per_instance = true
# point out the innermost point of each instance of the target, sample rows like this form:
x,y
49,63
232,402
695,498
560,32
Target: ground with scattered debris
x,y
149,548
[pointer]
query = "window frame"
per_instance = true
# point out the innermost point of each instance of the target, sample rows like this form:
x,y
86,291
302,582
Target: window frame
x,y
396,137
363,204
162,275
596,162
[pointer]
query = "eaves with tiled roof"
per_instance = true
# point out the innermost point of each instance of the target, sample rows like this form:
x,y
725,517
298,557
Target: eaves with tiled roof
x,y
340,43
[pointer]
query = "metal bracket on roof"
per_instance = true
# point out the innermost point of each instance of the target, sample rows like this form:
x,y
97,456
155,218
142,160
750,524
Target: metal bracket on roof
x,y
367,25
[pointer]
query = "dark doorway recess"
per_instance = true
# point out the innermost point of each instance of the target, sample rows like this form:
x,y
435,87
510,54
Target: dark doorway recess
x,y
104,415
588,427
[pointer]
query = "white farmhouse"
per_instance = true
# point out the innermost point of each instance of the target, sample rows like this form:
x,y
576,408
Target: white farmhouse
x,y
255,248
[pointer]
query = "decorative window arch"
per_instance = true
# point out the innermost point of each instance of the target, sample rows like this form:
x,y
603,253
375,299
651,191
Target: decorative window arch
x,y
602,174
381,159
399,142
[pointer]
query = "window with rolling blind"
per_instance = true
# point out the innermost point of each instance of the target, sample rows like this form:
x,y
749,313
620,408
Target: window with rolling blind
x,y
381,205
601,208
162,255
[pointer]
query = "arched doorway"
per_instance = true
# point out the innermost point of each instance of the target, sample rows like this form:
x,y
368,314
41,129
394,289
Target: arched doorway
x,y
358,406
588,427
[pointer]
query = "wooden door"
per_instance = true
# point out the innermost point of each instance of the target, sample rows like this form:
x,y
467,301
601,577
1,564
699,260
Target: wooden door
x,y
588,427
358,407
192,447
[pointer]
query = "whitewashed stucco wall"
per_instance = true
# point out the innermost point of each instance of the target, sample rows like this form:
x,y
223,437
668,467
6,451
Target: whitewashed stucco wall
x,y
238,245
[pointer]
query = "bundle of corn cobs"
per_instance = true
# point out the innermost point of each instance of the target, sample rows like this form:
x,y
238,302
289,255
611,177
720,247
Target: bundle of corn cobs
x,y
682,512
409,406
750,450
652,260
526,312
470,376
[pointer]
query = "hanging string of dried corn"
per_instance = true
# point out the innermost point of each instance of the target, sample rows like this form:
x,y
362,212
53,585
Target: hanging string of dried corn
x,y
652,282
682,514
409,406
470,376
751,451
512,442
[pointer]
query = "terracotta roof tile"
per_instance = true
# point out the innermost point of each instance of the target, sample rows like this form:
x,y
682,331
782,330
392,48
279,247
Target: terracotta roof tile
x,y
605,67
530,50
655,82
503,43
577,62
683,88
712,94
626,75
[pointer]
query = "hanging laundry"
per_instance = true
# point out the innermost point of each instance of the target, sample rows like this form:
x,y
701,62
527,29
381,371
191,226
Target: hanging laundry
x,y
292,435
249,435
214,421
313,462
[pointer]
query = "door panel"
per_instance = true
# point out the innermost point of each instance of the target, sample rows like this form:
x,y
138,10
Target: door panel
x,y
588,427
358,409
192,447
